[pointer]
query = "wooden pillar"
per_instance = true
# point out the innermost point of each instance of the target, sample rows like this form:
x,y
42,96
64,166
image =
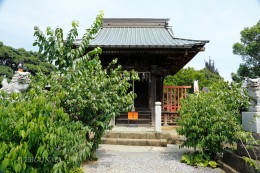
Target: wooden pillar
x,y
159,89
153,92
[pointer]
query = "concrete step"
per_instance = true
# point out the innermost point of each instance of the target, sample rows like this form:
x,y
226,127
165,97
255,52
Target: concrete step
x,y
133,135
135,142
134,138
144,136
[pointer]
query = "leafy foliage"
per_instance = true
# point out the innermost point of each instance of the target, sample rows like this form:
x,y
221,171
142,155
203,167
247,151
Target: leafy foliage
x,y
186,76
93,94
198,159
100,95
249,49
251,162
242,72
10,58
210,120
5,71
47,131
210,65
31,140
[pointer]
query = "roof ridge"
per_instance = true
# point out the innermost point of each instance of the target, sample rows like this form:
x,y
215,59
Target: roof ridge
x,y
136,19
133,27
141,22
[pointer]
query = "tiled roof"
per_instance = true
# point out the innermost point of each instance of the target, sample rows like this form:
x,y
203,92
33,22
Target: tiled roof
x,y
140,33
141,37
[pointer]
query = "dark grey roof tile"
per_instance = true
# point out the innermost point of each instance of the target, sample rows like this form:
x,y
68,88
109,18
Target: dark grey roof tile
x,y
139,33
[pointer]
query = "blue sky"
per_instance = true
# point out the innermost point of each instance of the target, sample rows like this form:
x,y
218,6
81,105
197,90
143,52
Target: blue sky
x,y
219,21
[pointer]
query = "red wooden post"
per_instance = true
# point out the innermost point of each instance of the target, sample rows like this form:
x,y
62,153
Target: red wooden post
x,y
172,100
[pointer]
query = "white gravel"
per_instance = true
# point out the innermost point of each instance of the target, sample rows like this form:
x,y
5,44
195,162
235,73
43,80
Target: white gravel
x,y
142,159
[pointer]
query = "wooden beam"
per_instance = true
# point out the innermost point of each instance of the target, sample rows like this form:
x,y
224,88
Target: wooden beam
x,y
153,92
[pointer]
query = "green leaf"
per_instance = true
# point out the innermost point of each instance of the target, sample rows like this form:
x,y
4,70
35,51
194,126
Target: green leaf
x,y
40,151
213,164
45,154
202,164
18,167
5,163
23,134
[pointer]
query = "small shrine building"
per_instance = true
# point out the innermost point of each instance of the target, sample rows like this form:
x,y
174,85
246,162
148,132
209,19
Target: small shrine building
x,y
149,47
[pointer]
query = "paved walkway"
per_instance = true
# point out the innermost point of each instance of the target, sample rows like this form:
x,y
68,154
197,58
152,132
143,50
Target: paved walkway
x,y
142,159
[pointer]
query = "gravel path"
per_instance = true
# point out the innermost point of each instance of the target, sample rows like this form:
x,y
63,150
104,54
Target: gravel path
x,y
139,159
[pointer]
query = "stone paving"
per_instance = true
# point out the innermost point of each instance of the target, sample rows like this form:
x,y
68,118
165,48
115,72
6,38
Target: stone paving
x,y
142,159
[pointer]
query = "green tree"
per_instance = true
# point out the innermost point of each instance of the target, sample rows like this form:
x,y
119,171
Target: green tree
x,y
210,65
10,58
242,72
186,76
249,49
93,94
51,128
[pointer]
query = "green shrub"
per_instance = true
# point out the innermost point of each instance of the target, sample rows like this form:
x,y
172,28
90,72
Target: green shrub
x,y
92,94
97,95
31,140
210,120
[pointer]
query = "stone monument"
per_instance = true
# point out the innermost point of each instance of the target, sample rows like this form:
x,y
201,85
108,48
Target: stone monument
x,y
251,119
19,83
251,123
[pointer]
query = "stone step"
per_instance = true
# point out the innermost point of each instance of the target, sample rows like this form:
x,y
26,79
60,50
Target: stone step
x,y
135,142
170,137
133,135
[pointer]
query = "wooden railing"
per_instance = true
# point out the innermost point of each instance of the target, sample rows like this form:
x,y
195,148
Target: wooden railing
x,y
172,96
